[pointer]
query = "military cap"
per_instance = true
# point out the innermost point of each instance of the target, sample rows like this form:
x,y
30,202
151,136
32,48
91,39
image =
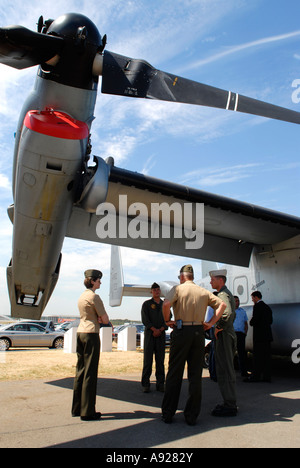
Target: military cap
x,y
218,273
93,274
155,286
187,269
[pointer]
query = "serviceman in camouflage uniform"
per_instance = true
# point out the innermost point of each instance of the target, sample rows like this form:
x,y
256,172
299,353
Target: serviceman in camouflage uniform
x,y
225,347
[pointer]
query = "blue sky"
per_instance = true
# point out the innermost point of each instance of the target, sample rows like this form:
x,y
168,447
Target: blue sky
x,y
252,48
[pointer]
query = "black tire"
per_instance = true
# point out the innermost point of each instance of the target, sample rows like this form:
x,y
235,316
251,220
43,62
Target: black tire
x,y
5,344
58,343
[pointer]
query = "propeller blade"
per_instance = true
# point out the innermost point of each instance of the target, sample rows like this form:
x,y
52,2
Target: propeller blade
x,y
125,76
21,48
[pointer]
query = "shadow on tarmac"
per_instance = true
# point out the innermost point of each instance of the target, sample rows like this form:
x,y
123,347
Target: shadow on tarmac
x,y
258,403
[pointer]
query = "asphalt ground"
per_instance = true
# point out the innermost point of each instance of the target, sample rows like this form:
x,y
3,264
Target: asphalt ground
x,y
36,414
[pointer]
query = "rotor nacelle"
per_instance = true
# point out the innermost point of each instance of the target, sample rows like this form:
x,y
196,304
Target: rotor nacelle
x,y
73,65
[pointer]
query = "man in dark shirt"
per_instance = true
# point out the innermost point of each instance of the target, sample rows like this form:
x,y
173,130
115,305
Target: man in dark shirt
x,y
154,343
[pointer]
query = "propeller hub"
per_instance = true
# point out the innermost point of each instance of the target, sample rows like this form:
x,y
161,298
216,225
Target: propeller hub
x,y
73,65
75,26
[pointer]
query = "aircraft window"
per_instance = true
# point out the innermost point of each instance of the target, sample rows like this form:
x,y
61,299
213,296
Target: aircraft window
x,y
240,288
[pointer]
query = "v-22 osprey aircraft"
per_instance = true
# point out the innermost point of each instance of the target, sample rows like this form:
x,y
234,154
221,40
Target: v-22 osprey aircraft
x,y
56,190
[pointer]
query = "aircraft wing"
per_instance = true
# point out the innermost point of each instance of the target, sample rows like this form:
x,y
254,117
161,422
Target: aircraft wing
x,y
231,227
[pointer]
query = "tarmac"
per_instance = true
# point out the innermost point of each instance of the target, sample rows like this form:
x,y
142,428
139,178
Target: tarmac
x,y
36,414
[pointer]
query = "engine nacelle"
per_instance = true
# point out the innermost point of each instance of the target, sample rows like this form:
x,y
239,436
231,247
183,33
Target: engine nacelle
x,y
51,152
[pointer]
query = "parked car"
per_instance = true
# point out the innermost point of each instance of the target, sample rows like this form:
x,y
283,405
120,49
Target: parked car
x,y
168,336
139,329
27,334
117,330
66,326
47,324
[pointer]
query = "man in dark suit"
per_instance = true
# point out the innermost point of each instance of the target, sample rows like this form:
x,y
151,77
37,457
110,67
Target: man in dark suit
x,y
262,337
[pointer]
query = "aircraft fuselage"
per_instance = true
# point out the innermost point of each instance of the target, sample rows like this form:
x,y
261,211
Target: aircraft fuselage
x,y
275,272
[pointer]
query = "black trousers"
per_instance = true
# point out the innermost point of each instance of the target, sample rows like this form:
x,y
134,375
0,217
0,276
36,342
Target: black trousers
x,y
154,346
187,346
85,383
262,361
242,355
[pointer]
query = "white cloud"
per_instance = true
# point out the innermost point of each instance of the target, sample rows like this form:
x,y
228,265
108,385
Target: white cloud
x,y
240,48
149,165
5,182
213,176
